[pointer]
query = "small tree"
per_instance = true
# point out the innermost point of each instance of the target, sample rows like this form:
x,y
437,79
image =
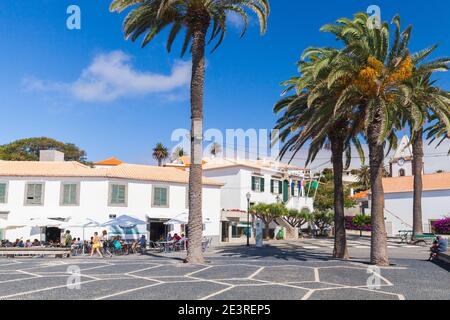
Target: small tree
x,y
268,213
298,218
323,220
362,222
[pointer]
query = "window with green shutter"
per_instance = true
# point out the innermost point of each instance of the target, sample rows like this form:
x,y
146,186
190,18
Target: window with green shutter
x,y
118,195
3,190
69,195
34,194
258,184
160,197
276,186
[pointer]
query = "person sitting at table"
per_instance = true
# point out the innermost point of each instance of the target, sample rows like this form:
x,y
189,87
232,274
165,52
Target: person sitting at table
x,y
8,244
134,246
74,246
169,237
36,243
184,241
143,244
67,239
117,244
176,237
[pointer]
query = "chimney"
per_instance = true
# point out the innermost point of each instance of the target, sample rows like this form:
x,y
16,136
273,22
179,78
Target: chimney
x,y
51,155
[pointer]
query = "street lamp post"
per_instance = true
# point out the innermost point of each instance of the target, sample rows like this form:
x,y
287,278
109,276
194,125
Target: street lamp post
x,y
248,195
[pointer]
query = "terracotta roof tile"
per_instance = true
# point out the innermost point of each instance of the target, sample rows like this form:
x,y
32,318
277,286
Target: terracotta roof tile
x,y
75,169
113,161
431,182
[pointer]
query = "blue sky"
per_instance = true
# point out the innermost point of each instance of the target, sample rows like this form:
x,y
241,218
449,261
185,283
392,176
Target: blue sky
x,y
47,71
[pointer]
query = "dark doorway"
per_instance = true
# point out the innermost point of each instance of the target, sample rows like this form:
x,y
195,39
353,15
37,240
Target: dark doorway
x,y
225,226
53,234
157,230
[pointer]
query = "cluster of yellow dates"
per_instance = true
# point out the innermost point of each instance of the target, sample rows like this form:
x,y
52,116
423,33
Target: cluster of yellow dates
x,y
369,77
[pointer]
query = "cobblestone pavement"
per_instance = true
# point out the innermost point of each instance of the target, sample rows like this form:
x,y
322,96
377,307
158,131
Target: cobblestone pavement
x,y
287,270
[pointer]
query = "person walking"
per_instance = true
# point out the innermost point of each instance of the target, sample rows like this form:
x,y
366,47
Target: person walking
x,y
96,245
105,242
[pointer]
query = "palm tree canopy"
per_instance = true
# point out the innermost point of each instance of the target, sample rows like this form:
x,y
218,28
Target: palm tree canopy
x,y
344,88
160,152
428,104
150,17
372,71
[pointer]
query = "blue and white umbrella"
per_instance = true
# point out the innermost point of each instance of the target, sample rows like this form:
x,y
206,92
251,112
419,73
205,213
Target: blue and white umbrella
x,y
126,226
124,221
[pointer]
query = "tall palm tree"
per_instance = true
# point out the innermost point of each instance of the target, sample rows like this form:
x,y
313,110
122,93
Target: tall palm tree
x,y
425,102
303,121
196,17
371,73
363,178
160,153
437,131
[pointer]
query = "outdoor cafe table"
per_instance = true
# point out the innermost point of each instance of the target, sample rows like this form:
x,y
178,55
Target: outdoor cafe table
x,y
166,245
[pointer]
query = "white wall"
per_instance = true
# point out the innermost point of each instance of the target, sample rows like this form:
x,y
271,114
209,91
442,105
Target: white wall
x,y
238,182
396,169
231,192
435,204
94,203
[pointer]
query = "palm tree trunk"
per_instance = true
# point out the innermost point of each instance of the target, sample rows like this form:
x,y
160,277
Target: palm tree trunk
x,y
199,25
418,184
340,239
159,163
378,250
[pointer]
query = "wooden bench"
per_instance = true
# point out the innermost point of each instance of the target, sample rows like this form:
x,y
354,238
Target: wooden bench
x,y
35,251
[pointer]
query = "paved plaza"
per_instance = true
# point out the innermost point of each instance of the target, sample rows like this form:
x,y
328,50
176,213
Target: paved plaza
x,y
293,270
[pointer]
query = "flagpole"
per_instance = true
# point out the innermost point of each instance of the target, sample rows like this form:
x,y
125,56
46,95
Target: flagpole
x,y
318,183
309,187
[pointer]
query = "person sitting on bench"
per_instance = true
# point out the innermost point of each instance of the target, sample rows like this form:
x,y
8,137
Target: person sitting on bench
x,y
439,246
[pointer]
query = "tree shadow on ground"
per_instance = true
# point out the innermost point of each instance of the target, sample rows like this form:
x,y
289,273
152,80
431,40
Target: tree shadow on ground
x,y
286,253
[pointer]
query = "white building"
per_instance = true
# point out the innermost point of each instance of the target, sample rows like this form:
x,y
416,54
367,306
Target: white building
x,y
399,201
399,189
63,190
264,180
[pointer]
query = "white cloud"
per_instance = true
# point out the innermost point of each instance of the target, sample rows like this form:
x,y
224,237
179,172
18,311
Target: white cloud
x,y
235,20
111,76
